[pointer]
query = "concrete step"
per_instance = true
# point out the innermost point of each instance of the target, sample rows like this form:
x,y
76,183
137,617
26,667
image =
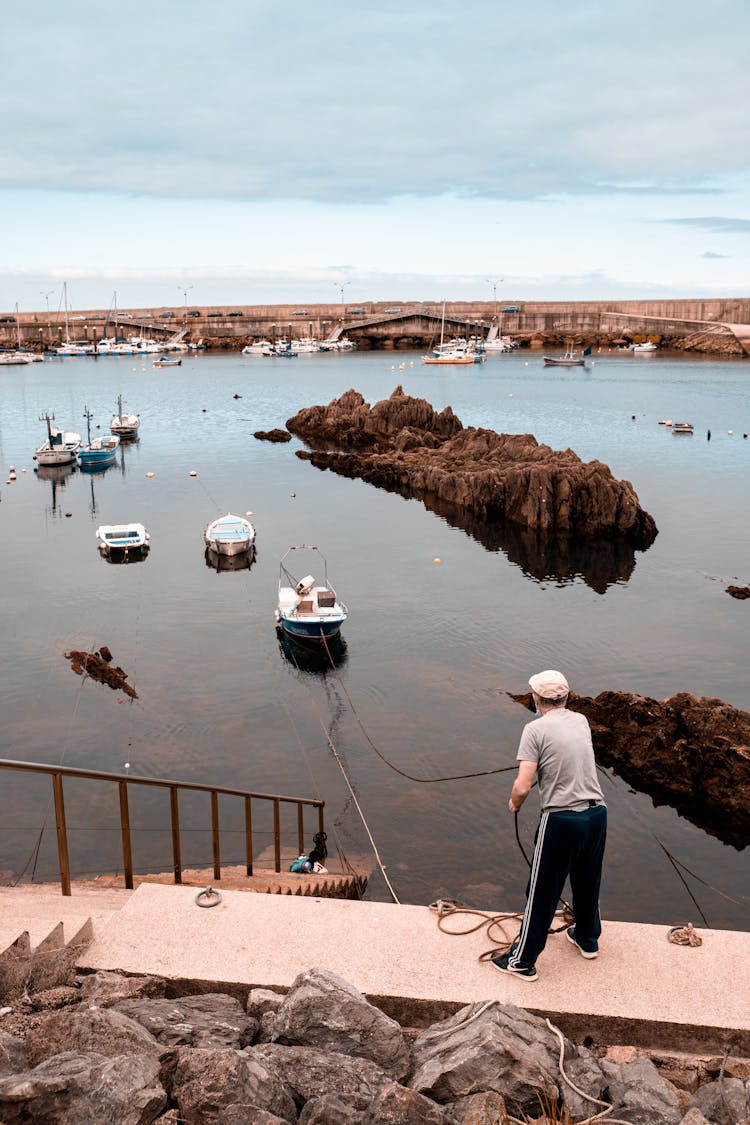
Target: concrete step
x,y
331,885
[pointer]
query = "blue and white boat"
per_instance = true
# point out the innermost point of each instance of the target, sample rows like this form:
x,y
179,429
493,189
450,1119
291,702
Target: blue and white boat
x,y
308,609
230,535
99,453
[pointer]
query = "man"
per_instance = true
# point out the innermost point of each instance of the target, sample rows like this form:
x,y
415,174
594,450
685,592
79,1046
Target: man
x,y
556,750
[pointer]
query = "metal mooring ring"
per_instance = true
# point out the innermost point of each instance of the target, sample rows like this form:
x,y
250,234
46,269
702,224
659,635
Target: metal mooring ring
x,y
213,898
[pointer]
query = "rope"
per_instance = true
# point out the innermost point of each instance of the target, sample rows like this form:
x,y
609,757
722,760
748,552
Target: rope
x,y
684,935
608,1107
490,923
391,765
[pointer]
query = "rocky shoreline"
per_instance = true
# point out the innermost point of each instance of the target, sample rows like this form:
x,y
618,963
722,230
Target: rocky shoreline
x,y
118,1048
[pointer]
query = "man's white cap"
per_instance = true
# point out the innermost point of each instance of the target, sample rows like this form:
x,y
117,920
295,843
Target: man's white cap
x,y
549,684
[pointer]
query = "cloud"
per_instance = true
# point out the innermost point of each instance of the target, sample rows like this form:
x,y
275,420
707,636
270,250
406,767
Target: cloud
x,y
718,224
709,254
258,100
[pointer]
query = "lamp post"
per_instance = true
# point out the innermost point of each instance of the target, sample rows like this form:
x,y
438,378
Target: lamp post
x,y
185,289
47,296
494,285
341,285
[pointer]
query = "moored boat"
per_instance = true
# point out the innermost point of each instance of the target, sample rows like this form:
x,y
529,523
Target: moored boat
x,y
99,453
125,425
682,428
307,609
60,448
165,361
121,540
570,359
230,535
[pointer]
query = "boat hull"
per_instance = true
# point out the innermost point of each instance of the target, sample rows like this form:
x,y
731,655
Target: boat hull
x,y
311,630
229,549
55,456
96,459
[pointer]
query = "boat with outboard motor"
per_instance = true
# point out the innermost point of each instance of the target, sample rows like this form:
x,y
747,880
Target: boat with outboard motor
x,y
307,609
570,359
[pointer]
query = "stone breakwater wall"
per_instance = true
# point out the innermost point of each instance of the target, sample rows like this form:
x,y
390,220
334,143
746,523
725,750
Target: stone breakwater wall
x,y
116,1048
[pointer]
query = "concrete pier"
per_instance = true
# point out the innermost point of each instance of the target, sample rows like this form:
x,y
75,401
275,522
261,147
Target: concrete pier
x,y
642,990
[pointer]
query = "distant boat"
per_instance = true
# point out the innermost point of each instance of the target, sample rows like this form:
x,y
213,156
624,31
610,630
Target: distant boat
x,y
307,609
643,349
120,540
163,361
682,428
124,425
230,535
570,359
455,352
60,448
99,453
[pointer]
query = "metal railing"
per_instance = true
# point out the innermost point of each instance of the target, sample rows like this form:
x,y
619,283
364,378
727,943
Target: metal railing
x,y
123,781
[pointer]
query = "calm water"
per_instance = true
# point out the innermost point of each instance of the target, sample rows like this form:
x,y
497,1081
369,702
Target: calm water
x,y
430,649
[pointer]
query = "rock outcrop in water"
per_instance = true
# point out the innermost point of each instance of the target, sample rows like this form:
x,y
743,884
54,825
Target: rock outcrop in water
x,y
403,445
97,665
690,753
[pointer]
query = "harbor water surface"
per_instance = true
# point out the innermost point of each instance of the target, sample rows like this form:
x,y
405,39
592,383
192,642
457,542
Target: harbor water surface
x,y
444,620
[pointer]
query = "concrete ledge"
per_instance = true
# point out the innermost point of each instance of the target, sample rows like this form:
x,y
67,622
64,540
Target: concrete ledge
x,y
642,990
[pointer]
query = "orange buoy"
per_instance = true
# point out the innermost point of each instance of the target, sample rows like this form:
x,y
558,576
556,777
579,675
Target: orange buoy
x,y
149,475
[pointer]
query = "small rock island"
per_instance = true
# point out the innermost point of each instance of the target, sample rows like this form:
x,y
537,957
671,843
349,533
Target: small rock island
x,y
402,444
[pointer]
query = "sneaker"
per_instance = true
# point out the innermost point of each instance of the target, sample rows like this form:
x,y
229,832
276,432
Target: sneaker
x,y
524,972
589,954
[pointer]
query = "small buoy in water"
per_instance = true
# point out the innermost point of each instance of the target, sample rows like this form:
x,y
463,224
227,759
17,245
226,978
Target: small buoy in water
x,y
730,432
236,396
135,372
68,515
193,473
292,494
633,417
23,470
744,435
11,468
526,364
149,475
248,515
143,369
204,410
510,396
411,363
436,561
708,435
392,368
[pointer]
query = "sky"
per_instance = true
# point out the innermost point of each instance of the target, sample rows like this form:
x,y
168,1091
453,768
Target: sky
x,y
249,152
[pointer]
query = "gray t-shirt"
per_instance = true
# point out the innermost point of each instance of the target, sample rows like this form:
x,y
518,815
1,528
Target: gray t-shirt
x,y
560,744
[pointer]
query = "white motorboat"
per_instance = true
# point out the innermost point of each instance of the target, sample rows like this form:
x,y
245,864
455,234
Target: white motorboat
x,y
60,448
682,428
164,361
260,347
309,610
119,540
646,348
124,425
570,359
230,535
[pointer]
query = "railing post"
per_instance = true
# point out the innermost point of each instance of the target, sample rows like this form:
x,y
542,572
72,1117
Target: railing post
x,y
248,836
320,816
62,833
127,855
215,833
276,836
175,816
300,829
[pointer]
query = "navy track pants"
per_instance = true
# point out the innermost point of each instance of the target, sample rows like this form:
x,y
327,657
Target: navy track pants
x,y
566,844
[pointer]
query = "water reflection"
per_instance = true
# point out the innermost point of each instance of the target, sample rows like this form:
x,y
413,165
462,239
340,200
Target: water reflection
x,y
223,563
313,658
58,476
543,556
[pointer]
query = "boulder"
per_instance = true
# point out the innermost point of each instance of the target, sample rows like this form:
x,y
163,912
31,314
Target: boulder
x,y
100,1030
86,1089
330,1110
12,1054
207,1020
480,1048
637,1091
272,435
322,1010
205,1083
104,989
724,1102
404,445
247,1115
262,1000
398,1105
487,1108
310,1073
